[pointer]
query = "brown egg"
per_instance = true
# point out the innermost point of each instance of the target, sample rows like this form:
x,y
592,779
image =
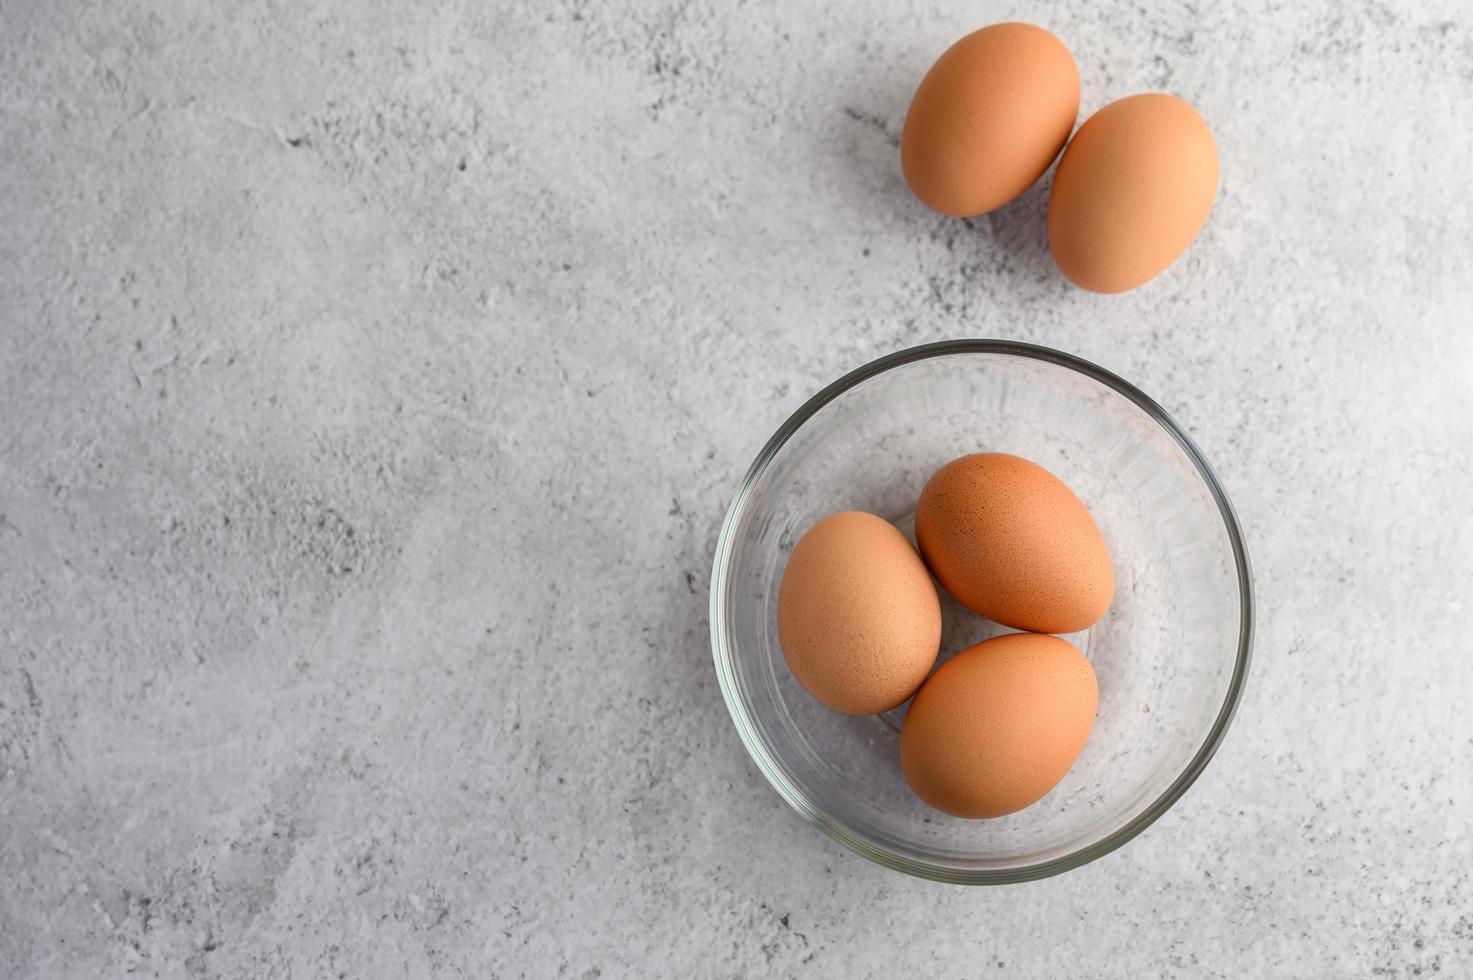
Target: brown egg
x,y
857,614
989,118
1133,190
1010,541
998,725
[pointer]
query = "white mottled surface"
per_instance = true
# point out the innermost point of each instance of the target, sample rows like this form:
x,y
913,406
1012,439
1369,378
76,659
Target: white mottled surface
x,y
374,377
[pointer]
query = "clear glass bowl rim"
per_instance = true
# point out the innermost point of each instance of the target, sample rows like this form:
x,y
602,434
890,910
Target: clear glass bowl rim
x,y
857,842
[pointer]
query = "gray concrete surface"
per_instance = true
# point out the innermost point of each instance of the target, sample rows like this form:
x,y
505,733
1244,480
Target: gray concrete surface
x,y
374,376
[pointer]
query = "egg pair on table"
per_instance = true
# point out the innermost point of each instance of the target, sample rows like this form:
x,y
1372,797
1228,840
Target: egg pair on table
x,y
859,620
1132,191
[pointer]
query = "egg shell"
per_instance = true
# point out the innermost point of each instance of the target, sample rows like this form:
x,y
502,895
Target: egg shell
x,y
857,614
1010,541
1132,192
998,725
988,119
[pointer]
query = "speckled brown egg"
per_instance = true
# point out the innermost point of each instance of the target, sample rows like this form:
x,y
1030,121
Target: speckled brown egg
x,y
998,725
1010,541
1132,192
989,118
857,614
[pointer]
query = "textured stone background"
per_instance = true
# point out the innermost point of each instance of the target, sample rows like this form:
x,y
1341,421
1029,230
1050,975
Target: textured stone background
x,y
374,376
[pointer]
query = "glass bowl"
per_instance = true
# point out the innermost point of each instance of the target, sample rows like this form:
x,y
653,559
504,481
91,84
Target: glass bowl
x,y
1171,655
